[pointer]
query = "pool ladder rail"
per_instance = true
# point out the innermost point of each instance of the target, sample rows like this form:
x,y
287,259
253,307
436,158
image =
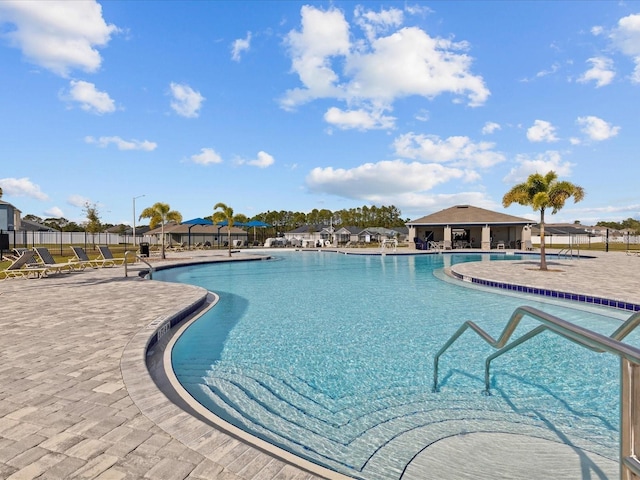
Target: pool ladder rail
x,y
136,258
629,368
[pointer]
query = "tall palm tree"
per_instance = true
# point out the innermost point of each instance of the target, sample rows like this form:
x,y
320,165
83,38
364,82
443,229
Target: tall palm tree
x,y
541,193
223,213
159,214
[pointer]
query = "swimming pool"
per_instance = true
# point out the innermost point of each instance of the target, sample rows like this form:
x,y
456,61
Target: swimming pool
x,y
330,357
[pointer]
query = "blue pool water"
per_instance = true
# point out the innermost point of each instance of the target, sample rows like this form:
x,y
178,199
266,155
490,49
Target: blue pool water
x,y
331,357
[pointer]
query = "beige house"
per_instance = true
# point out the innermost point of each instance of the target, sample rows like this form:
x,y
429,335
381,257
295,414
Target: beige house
x,y
465,226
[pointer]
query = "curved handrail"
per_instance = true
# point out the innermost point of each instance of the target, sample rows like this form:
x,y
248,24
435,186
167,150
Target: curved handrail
x,y
138,257
585,337
629,371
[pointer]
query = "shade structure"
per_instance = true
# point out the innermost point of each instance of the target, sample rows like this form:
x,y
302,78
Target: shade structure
x,y
197,221
224,223
257,223
193,222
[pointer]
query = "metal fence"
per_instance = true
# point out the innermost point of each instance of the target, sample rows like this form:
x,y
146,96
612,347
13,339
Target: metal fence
x,y
24,239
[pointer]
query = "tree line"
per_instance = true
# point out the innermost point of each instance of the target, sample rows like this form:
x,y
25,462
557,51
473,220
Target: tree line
x,y
629,224
283,220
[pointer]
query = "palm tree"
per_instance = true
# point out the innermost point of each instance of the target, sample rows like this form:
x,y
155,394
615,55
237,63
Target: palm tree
x,y
159,214
223,213
543,192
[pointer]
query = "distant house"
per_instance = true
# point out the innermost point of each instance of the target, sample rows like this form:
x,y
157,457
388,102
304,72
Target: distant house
x,y
311,235
29,226
470,226
9,217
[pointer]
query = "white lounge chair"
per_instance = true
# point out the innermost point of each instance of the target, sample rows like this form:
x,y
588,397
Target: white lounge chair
x,y
83,258
48,261
106,255
25,266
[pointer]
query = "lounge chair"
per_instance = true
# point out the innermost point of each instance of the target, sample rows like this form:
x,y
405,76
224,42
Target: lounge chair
x,y
48,261
25,266
106,255
83,258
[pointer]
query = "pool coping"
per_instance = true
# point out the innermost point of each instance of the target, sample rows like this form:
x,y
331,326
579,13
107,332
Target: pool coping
x,y
550,293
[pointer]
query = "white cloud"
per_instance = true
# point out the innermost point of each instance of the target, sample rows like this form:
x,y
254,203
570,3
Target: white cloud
x,y
458,151
490,127
207,156
22,187
263,160
186,101
54,212
601,72
78,201
542,131
375,180
89,98
542,163
370,74
597,30
58,35
103,142
596,128
626,36
358,119
240,46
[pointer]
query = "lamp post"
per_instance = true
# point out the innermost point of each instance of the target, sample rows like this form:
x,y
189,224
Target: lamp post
x,y
134,219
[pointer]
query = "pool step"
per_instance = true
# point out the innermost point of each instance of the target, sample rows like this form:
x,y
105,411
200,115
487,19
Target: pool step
x,y
384,434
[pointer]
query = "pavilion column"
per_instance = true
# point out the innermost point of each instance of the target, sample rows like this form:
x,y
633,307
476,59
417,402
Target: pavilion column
x,y
486,238
447,233
412,234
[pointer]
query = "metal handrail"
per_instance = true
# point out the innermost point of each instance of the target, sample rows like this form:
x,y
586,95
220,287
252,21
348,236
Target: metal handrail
x,y
138,257
629,363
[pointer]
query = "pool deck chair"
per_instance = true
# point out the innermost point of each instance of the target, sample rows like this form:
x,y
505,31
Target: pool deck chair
x,y
53,267
83,258
25,266
106,255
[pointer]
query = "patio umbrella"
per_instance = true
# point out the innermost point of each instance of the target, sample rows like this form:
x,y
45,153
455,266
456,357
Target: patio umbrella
x,y
192,223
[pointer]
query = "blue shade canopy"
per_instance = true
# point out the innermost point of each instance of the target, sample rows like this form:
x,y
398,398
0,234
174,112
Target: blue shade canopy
x,y
224,223
197,221
257,223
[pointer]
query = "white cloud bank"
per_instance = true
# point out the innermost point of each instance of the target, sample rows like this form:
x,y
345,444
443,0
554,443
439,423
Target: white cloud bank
x,y
22,187
542,163
57,35
121,144
186,101
425,162
370,73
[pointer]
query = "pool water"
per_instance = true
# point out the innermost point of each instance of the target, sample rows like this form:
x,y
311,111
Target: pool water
x,y
331,357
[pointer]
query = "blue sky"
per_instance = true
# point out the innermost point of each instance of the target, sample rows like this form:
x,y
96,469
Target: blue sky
x,y
267,105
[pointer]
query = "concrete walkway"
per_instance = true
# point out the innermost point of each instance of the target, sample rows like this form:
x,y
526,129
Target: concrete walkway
x,y
75,401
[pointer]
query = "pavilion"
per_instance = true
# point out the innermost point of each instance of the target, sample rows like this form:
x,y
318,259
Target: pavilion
x,y
472,227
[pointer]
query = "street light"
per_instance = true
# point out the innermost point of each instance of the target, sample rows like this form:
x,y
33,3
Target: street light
x,y
134,219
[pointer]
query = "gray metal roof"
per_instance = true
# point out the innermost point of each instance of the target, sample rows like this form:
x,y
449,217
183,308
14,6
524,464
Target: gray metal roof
x,y
468,215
